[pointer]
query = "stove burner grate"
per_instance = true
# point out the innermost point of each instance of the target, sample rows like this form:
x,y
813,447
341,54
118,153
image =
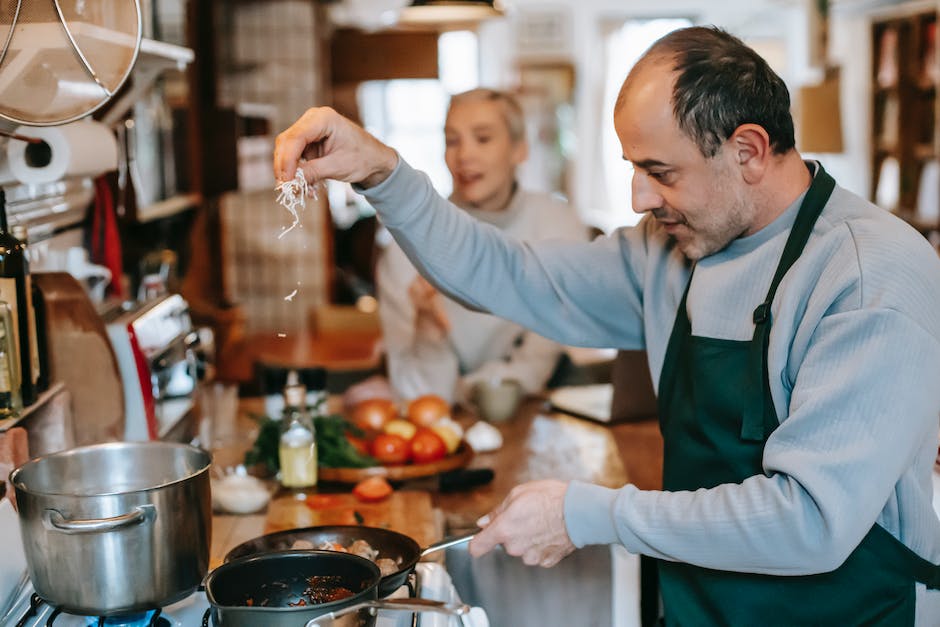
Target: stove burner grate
x,y
34,603
150,618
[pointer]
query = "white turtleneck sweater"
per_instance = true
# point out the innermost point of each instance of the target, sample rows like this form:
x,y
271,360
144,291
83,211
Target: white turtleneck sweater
x,y
479,346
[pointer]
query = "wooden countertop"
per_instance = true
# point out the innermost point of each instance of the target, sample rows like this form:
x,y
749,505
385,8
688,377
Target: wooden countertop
x,y
538,444
406,511
542,444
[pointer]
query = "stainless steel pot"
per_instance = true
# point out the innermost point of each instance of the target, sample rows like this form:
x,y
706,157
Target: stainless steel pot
x,y
115,528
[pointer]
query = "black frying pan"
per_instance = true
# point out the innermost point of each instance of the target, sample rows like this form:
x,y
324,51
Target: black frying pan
x,y
390,544
284,588
270,589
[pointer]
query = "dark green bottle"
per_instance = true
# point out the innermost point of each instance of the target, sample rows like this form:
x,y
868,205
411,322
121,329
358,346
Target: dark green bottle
x,y
15,290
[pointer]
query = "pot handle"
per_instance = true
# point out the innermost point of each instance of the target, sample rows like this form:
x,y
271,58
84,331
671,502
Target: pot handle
x,y
54,520
409,605
446,543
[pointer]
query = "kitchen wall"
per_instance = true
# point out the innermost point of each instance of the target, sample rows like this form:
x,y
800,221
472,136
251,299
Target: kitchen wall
x,y
779,24
782,24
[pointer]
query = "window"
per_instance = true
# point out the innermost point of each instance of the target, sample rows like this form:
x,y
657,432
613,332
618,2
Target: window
x,y
409,114
622,48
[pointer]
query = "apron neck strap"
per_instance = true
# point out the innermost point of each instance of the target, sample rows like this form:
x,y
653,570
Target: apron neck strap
x,y
816,198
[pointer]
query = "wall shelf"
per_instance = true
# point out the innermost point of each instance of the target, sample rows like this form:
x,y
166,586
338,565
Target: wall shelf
x,y
155,58
48,421
905,112
167,208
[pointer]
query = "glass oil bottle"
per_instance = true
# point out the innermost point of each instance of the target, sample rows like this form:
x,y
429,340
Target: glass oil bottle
x,y
297,449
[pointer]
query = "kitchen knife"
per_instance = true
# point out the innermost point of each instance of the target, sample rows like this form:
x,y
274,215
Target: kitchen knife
x,y
464,479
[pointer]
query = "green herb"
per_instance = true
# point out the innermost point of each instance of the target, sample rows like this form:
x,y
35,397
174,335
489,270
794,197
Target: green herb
x,y
265,449
333,449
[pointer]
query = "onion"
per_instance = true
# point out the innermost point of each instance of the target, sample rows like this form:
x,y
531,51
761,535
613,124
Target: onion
x,y
373,413
425,410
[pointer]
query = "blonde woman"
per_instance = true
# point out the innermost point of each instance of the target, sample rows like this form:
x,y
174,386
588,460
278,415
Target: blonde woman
x,y
434,344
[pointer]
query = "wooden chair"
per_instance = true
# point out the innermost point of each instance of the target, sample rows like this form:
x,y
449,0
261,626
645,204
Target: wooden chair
x,y
276,280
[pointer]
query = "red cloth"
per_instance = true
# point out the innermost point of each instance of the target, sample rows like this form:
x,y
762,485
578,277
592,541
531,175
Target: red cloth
x,y
105,239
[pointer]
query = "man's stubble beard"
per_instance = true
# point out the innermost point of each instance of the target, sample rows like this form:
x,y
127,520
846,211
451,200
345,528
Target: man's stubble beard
x,y
718,230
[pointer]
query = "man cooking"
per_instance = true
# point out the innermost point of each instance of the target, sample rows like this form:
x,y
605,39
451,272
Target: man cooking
x,y
793,334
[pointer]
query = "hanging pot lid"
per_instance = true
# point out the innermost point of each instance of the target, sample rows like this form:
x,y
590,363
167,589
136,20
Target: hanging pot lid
x,y
61,60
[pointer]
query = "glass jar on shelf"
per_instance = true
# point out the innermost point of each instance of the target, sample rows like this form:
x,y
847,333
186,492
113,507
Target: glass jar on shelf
x,y
11,402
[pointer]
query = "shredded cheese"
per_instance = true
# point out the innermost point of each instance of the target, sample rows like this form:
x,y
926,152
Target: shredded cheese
x,y
292,195
290,296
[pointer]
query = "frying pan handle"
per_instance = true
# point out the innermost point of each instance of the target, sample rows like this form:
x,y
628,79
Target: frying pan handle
x,y
446,543
53,519
408,605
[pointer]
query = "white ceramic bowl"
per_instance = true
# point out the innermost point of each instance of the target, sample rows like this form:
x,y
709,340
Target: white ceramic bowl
x,y
240,494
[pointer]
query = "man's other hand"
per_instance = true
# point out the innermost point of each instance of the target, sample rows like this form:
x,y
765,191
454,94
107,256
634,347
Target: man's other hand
x,y
429,307
529,523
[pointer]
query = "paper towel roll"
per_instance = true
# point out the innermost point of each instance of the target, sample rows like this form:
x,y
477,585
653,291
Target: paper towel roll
x,y
83,148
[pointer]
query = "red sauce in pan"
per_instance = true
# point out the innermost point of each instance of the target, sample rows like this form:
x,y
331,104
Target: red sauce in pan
x,y
320,589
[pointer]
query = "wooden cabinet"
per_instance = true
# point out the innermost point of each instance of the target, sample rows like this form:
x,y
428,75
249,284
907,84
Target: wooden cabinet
x,y
905,76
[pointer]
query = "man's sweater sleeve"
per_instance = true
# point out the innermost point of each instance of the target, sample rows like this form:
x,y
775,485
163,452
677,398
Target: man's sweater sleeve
x,y
572,292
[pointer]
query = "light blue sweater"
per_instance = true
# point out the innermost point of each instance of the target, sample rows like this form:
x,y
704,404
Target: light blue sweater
x,y
854,360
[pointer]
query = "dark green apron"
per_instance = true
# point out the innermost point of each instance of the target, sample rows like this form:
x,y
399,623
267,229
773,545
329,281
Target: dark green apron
x,y
716,412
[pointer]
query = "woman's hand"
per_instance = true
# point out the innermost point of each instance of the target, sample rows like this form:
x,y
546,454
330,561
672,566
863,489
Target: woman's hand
x,y
429,308
529,523
328,146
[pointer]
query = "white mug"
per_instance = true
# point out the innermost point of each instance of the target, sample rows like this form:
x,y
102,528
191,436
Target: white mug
x,y
497,399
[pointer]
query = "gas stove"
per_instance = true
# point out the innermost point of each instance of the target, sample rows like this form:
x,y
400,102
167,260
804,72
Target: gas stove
x,y
29,610
431,580
21,607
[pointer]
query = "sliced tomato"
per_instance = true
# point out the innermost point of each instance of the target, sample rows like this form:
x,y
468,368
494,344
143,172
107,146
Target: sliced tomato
x,y
360,444
372,489
323,501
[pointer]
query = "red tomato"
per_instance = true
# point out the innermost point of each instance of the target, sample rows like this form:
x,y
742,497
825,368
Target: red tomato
x,y
390,449
427,446
372,489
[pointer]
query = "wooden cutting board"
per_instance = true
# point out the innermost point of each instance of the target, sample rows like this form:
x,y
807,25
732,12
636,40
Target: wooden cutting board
x,y
406,511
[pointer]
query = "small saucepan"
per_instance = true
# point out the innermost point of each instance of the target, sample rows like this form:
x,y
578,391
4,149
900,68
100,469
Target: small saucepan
x,y
292,588
398,547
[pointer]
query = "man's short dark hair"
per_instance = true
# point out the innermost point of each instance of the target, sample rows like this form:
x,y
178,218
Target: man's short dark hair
x,y
721,84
